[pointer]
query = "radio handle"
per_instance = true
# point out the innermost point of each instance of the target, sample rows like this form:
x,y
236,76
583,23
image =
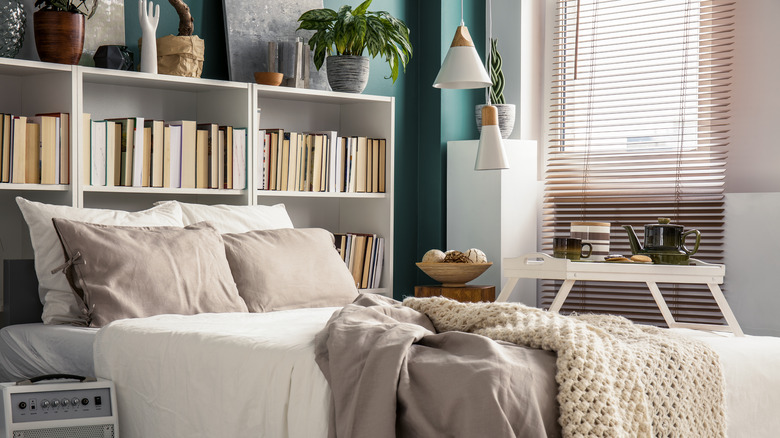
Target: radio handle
x,y
45,377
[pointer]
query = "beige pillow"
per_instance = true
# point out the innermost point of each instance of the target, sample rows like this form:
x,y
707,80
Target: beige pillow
x,y
288,269
130,272
59,303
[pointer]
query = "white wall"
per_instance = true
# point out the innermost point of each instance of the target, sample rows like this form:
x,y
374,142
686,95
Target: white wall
x,y
753,171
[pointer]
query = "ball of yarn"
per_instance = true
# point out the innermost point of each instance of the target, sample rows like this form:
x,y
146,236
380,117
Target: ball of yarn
x,y
476,255
456,257
433,256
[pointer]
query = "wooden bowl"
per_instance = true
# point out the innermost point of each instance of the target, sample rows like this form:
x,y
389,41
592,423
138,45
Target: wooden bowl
x,y
454,274
268,78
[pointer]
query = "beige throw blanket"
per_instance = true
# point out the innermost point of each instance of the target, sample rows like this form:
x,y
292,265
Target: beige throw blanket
x,y
615,378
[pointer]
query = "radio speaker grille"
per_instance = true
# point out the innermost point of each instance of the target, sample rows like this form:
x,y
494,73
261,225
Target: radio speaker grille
x,y
96,431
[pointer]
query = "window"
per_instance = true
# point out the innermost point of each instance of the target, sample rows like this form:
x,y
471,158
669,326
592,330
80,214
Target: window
x,y
639,130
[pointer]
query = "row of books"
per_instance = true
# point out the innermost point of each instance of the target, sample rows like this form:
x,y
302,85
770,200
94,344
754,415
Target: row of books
x,y
153,153
35,150
321,162
364,256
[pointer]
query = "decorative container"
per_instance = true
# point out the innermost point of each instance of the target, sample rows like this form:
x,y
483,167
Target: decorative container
x,y
506,118
114,57
12,23
454,274
59,36
347,73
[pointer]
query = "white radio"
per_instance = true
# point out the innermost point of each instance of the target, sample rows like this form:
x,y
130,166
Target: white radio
x,y
81,409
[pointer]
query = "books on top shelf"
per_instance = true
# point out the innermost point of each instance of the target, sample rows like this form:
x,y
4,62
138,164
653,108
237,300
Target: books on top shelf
x,y
35,149
320,161
363,255
153,153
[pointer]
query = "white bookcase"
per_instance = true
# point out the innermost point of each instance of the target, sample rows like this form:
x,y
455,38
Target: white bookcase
x,y
494,210
30,87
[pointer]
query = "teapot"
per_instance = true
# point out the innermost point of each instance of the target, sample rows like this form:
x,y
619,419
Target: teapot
x,y
664,242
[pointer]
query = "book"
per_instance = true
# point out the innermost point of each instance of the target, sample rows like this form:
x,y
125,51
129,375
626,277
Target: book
x,y
202,159
382,165
340,164
367,258
361,165
113,153
229,156
48,148
284,162
63,142
188,151
5,143
32,173
380,256
18,149
239,158
369,168
221,139
275,137
86,160
157,152
127,149
359,256
138,153
98,153
352,165
212,145
375,165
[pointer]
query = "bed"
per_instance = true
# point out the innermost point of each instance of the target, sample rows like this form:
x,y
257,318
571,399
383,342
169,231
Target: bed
x,y
262,373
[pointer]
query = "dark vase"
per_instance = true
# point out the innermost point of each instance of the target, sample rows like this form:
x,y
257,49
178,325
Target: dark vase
x,y
12,21
59,36
347,73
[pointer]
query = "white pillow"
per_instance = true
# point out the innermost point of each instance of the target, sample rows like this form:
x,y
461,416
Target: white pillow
x,y
59,303
237,218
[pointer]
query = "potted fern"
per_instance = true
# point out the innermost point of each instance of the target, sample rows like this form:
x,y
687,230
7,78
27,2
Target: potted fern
x,y
506,111
346,34
59,29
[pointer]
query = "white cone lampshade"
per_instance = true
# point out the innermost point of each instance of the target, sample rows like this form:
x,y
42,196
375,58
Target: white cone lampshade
x,y
462,67
490,154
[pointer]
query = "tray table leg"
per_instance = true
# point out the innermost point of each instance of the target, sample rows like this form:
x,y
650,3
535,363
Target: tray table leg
x,y
731,320
560,297
659,300
507,290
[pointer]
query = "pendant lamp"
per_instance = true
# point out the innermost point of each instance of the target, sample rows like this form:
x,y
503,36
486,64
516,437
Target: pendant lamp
x,y
490,153
462,67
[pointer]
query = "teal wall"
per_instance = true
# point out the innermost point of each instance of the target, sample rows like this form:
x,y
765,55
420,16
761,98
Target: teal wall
x,y
426,117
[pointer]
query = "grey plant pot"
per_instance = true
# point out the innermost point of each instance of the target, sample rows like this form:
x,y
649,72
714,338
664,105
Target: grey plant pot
x,y
347,73
506,118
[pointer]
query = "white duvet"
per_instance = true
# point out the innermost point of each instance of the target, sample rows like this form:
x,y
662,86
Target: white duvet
x,y
217,375
254,375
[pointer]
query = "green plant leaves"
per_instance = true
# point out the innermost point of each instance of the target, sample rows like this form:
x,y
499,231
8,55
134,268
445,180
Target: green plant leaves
x,y
352,32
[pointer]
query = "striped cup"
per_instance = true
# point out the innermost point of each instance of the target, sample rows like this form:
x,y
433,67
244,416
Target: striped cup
x,y
595,233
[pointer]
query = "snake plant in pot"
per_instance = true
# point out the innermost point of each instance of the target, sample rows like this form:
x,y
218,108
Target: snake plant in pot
x,y
506,111
345,35
59,29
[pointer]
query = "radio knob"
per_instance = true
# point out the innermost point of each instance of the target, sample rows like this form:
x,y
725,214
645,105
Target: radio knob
x,y
84,401
75,401
65,402
55,403
45,404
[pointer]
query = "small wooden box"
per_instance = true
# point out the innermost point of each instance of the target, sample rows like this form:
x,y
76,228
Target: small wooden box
x,y
465,294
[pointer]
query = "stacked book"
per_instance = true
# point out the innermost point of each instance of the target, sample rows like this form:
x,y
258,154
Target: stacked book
x,y
321,162
153,153
364,255
35,150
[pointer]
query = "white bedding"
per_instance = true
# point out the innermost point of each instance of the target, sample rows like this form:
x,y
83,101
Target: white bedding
x,y
30,350
217,375
247,375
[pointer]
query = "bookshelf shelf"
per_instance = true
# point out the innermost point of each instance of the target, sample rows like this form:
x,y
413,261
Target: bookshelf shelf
x,y
36,187
30,87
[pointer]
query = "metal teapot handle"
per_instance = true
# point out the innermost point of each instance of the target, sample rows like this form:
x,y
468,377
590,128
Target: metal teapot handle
x,y
695,246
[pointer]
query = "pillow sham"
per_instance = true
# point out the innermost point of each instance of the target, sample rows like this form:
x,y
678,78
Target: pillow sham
x,y
134,272
288,269
59,304
237,218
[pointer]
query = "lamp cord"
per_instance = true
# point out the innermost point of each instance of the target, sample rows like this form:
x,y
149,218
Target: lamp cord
x,y
488,51
461,14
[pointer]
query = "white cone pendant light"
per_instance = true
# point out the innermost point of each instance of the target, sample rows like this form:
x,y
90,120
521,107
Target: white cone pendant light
x,y
490,154
462,67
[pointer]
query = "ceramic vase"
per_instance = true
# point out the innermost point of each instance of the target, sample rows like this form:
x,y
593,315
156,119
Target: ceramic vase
x,y
347,73
506,118
59,36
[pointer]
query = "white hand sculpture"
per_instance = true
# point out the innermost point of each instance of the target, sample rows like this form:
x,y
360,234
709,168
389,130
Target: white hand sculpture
x,y
149,23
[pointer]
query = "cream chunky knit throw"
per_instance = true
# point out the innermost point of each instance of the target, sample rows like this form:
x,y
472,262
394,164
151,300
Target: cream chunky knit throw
x,y
615,378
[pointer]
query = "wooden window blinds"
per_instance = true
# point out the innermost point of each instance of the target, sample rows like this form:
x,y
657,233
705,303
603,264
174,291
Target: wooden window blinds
x,y
639,130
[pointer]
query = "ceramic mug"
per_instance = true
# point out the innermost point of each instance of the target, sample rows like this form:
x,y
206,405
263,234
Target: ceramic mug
x,y
595,233
570,248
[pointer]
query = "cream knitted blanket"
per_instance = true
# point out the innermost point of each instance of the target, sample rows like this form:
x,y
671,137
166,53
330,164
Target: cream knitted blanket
x,y
615,378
